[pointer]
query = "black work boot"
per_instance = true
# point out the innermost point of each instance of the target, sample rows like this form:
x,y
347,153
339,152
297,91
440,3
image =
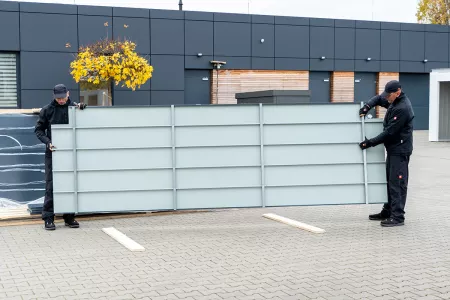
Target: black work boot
x,y
391,223
70,221
49,224
383,215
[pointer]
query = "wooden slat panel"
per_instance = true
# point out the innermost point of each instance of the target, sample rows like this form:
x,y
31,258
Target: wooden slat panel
x,y
231,82
342,87
383,78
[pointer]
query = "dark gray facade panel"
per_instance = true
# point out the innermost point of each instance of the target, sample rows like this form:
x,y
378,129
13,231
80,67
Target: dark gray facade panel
x,y
344,65
43,70
262,63
232,39
367,44
167,37
131,12
412,46
166,14
48,8
168,73
421,117
167,97
436,28
44,32
226,17
416,87
92,28
135,29
390,66
197,87
367,66
144,87
365,86
321,22
198,16
95,10
130,98
390,45
9,6
390,26
195,62
280,20
40,98
321,42
236,63
262,19
9,31
291,41
436,46
435,65
368,25
412,67
315,64
199,37
264,48
292,64
344,23
319,85
412,27
344,45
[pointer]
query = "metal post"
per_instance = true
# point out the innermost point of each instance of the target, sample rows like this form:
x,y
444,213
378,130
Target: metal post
x,y
174,163
366,186
74,153
180,5
261,137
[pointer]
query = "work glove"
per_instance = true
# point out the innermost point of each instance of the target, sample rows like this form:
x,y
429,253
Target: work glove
x,y
82,106
365,144
364,110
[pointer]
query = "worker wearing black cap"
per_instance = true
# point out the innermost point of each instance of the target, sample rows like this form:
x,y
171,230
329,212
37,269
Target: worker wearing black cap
x,y
397,137
56,112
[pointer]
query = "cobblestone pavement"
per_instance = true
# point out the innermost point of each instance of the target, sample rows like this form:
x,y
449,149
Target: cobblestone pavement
x,y
237,254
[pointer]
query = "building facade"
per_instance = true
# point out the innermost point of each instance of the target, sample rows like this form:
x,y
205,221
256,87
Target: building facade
x,y
337,60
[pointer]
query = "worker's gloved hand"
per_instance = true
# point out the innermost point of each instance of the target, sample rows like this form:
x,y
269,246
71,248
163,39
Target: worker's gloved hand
x,y
82,106
364,110
365,144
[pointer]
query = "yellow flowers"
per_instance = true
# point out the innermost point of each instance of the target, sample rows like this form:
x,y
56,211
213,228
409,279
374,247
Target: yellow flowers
x,y
111,60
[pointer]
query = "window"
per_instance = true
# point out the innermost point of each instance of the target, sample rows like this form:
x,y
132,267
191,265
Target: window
x,y
8,80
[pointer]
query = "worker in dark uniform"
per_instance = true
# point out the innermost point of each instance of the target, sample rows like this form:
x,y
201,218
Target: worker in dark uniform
x,y
56,112
397,137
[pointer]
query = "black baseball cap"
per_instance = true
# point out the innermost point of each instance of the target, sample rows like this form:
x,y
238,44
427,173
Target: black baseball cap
x,y
60,91
391,87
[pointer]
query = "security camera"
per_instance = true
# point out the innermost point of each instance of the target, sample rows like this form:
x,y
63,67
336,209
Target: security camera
x,y
218,64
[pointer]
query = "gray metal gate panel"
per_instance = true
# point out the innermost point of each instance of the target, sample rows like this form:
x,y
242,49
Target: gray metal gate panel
x,y
162,158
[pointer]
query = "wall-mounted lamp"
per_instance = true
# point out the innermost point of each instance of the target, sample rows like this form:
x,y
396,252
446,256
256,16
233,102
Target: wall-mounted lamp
x,y
199,54
262,41
369,59
322,58
425,60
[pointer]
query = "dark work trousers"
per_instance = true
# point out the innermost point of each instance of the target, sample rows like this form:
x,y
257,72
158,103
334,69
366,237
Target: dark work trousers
x,y
397,185
47,210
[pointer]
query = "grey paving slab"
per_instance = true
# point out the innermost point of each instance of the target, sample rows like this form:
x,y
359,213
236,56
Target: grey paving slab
x,y
237,254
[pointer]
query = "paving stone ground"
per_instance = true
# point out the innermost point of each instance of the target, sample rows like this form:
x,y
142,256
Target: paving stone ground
x,y
237,254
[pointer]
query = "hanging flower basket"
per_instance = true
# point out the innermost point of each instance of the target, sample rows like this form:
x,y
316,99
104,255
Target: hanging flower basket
x,y
106,61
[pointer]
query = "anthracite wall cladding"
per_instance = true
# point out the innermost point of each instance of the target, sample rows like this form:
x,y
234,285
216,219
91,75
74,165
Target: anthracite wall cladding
x,y
48,35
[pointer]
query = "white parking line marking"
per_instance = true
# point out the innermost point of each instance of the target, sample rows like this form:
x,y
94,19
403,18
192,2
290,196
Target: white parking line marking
x,y
294,223
123,239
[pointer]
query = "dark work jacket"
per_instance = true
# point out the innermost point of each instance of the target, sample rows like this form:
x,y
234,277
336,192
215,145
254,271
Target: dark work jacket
x,y
52,113
397,135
